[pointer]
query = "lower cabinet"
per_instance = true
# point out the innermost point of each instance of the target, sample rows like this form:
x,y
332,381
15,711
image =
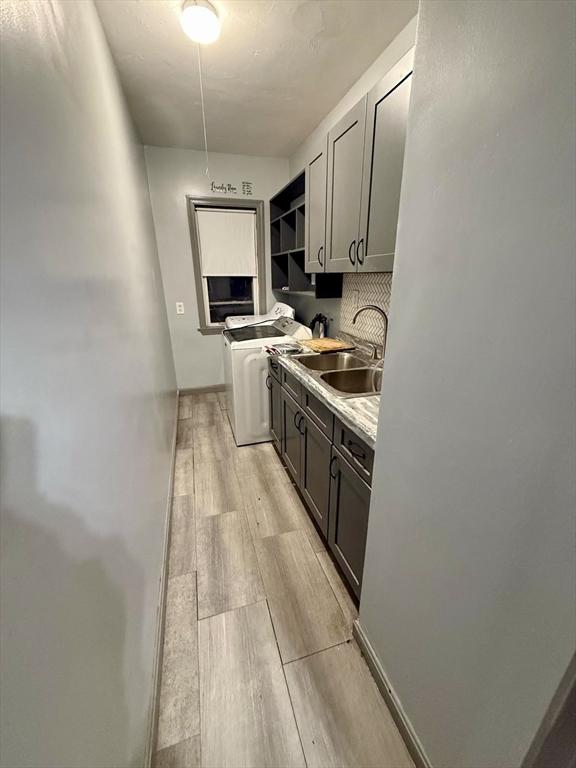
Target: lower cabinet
x,y
348,519
334,491
314,473
275,400
291,451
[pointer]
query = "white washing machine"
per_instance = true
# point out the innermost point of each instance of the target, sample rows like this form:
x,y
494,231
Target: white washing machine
x,y
278,310
245,371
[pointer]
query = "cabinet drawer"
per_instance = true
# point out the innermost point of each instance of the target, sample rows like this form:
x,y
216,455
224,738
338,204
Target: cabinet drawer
x,y
320,414
291,384
355,450
274,369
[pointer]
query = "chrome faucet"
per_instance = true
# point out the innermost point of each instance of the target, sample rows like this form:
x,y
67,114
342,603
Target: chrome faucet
x,y
384,317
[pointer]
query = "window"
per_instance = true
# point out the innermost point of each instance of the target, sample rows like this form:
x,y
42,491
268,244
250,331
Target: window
x,y
227,249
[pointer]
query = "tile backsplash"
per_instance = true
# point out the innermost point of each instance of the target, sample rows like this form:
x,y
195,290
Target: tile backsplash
x,y
359,289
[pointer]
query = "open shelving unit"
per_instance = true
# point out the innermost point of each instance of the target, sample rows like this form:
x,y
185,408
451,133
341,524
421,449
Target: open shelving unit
x,y
288,245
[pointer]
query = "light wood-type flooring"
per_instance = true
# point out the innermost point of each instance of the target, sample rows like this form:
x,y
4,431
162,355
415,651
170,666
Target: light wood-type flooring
x,y
259,666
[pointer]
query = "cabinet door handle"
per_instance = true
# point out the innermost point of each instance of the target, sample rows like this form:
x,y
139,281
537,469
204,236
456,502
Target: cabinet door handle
x,y
358,259
351,252
320,252
269,383
356,450
298,413
332,460
302,421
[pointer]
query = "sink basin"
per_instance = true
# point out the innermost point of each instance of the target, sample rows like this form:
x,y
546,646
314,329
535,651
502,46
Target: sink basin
x,y
354,382
334,361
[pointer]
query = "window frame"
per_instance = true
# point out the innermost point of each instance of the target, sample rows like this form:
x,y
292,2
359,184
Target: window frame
x,y
259,295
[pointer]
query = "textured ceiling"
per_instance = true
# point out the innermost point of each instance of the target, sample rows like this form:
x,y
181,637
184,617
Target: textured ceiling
x,y
277,69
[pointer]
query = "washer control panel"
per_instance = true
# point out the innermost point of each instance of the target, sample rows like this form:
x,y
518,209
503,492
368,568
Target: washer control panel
x,y
293,328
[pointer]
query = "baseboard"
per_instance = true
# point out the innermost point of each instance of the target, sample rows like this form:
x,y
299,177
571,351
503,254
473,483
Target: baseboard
x,y
161,611
401,719
201,390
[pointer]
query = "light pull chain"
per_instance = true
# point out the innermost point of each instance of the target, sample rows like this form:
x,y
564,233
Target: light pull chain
x,y
207,171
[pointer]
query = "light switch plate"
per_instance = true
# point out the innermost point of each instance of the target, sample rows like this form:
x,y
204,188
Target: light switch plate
x,y
179,307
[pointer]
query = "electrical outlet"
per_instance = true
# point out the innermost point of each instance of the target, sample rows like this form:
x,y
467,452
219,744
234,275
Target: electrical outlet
x,y
179,307
356,295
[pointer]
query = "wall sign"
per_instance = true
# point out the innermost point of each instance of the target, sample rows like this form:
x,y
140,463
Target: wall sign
x,y
230,189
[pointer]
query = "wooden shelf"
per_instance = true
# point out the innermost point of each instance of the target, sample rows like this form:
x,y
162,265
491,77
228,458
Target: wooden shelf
x,y
288,199
286,253
287,244
294,208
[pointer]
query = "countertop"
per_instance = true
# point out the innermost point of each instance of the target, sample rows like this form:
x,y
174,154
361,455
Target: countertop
x,y
359,414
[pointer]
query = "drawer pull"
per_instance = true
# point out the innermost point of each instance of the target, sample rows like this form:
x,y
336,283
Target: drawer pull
x,y
358,259
351,252
356,450
332,460
274,365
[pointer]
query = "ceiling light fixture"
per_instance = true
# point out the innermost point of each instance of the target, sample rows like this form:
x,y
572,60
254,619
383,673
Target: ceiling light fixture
x,y
200,21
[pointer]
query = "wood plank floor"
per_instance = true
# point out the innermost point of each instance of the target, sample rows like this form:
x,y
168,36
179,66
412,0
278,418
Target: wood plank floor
x,y
228,575
259,669
246,714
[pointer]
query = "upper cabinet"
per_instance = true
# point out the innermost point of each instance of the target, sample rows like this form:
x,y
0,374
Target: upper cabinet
x,y
387,116
345,154
316,209
347,218
364,176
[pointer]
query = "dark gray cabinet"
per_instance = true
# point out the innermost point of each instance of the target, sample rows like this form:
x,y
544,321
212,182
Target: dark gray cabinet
x,y
364,176
305,447
329,464
275,369
291,384
348,519
316,209
315,471
320,414
354,450
275,401
297,238
386,120
345,155
291,437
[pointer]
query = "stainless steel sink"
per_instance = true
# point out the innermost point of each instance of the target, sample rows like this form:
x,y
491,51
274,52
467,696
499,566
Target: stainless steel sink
x,y
334,361
354,382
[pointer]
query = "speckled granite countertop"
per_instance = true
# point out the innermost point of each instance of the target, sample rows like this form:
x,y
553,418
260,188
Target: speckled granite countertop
x,y
360,414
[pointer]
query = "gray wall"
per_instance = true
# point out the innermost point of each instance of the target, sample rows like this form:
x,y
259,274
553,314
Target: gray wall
x,y
469,588
173,174
88,396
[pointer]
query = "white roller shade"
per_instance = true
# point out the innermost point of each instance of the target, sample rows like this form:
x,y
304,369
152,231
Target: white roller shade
x,y
227,242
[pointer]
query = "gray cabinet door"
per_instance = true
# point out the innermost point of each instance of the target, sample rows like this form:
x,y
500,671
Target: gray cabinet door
x,y
291,437
348,519
386,119
315,216
315,472
345,156
275,400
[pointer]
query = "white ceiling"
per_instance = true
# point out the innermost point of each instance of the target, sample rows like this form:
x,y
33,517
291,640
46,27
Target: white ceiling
x,y
276,71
